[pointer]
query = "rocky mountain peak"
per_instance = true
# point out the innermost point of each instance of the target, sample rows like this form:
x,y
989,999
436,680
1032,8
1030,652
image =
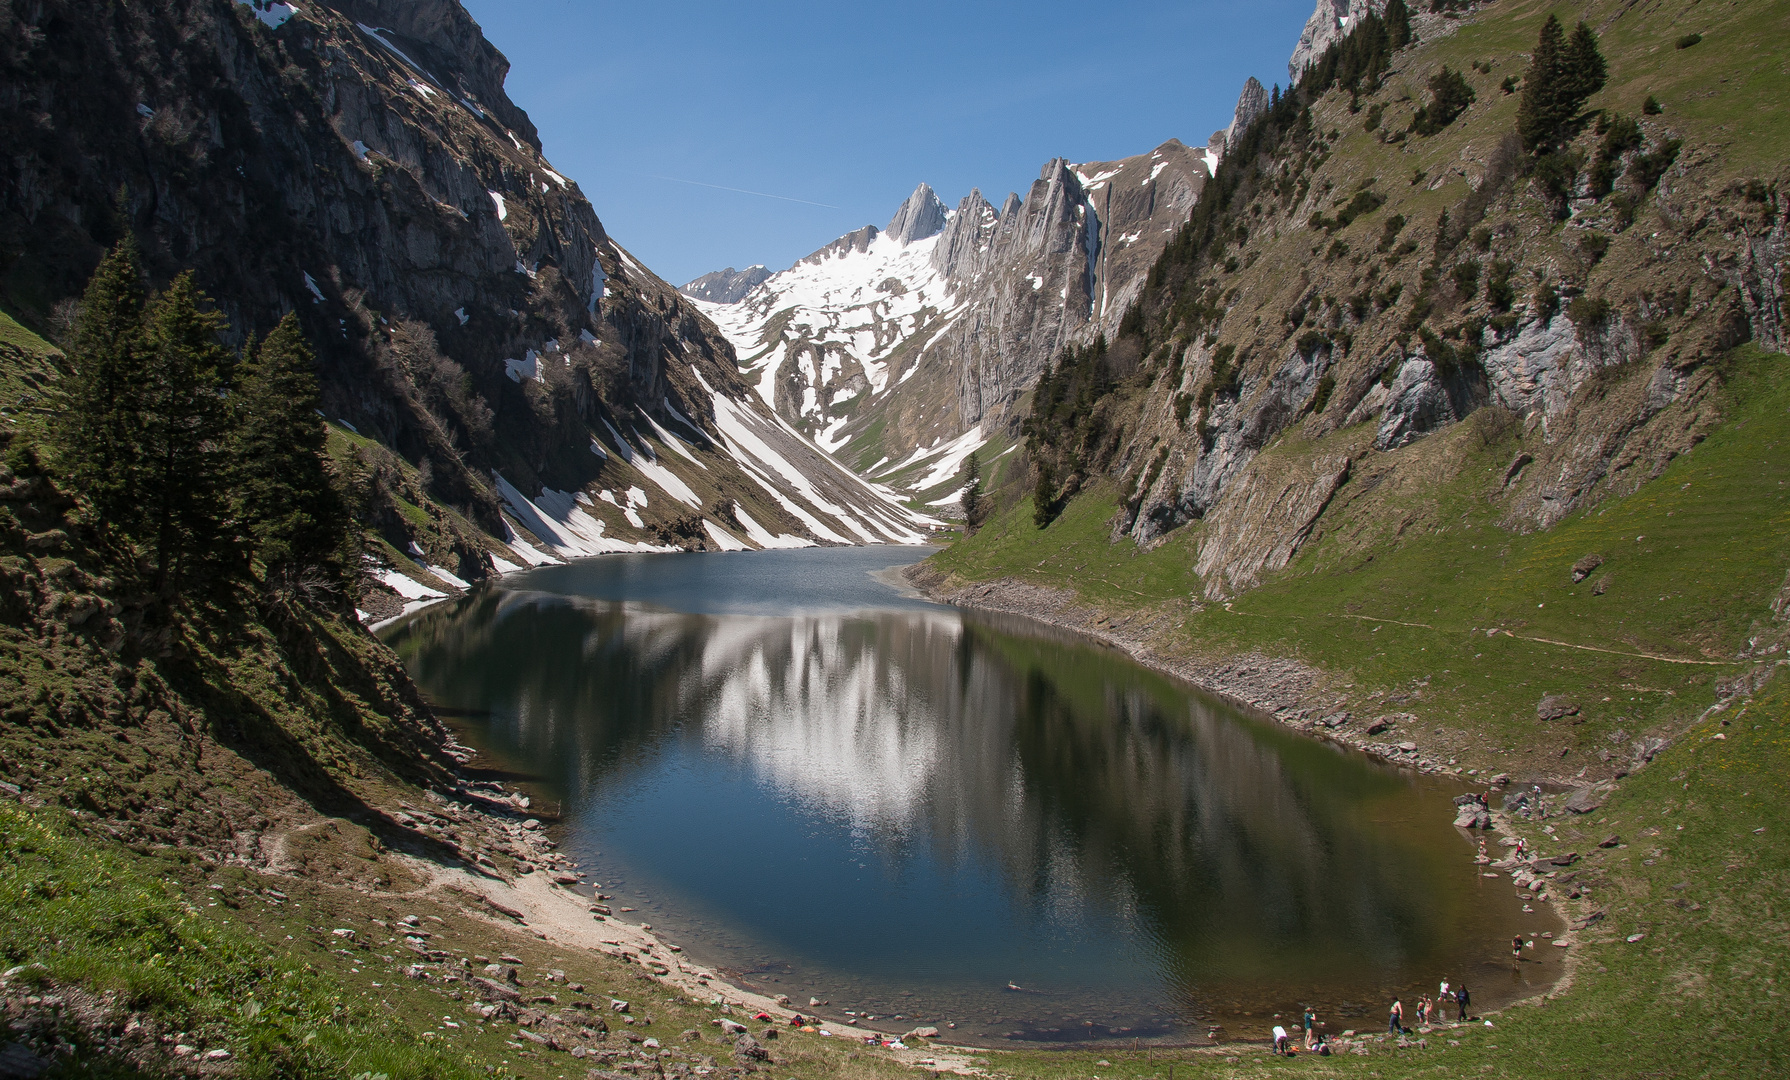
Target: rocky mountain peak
x,y
857,240
1251,103
967,237
922,215
440,38
1327,25
727,286
1012,204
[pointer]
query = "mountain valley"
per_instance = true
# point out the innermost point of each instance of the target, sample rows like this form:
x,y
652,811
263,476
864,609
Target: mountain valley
x,y
1432,411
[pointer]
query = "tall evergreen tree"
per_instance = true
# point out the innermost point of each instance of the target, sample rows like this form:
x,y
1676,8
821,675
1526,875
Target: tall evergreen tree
x,y
1561,78
1582,69
1398,23
185,422
971,498
1537,119
100,429
283,494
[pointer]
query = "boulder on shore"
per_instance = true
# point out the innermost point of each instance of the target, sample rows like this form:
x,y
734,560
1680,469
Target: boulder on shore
x,y
1584,800
1472,816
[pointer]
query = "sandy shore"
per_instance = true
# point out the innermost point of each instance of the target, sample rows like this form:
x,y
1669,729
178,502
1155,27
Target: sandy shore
x,y
546,905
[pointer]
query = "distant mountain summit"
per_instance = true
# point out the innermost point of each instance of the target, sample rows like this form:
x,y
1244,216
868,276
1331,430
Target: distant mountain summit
x,y
903,349
922,215
727,286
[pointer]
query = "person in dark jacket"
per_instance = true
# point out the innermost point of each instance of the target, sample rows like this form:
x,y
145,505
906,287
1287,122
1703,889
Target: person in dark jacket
x,y
1462,999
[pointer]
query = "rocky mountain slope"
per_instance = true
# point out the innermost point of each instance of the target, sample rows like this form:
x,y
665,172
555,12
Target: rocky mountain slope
x,y
517,384
727,286
1440,276
904,348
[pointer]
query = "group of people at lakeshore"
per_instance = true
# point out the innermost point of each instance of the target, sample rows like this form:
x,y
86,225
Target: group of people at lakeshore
x,y
1429,1011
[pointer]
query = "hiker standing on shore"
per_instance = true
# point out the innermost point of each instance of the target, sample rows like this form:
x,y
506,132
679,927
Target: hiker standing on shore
x,y
1462,999
1395,1023
1311,1026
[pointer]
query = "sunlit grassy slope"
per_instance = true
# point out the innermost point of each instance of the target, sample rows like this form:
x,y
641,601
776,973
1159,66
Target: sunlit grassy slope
x,y
1691,562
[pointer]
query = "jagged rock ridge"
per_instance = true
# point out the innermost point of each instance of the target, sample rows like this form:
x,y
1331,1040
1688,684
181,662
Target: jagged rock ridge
x,y
727,286
895,347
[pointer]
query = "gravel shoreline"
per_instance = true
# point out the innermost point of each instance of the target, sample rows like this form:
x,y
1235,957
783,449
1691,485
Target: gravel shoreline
x,y
1284,690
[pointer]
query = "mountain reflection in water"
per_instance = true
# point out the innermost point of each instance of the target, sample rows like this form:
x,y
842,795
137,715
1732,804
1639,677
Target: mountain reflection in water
x,y
928,801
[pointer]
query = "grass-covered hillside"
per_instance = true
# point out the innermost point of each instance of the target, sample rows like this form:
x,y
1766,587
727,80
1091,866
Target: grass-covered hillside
x,y
1477,440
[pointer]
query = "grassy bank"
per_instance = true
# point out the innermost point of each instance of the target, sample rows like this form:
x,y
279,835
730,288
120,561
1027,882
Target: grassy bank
x,y
1467,625
1701,877
1463,626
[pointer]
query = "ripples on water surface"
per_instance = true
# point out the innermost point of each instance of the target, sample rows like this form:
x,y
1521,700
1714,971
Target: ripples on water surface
x,y
832,789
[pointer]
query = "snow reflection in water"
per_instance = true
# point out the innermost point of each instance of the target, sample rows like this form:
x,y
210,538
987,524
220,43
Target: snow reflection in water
x,y
872,798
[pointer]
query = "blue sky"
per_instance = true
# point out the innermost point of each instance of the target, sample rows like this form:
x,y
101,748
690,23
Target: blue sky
x,y
851,105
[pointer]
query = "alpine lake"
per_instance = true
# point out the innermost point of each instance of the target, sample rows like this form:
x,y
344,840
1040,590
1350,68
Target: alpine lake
x,y
822,785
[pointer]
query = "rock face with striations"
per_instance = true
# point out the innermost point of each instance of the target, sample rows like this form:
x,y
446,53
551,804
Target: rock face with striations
x,y
1253,102
920,216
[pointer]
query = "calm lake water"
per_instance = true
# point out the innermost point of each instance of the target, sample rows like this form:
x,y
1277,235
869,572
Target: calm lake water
x,y
826,787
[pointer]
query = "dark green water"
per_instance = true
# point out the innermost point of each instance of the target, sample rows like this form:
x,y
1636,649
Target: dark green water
x,y
826,788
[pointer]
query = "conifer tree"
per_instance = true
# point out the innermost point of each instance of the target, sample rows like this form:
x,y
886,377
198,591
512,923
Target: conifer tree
x,y
99,430
283,495
972,491
1536,113
1561,78
1398,23
1582,71
184,424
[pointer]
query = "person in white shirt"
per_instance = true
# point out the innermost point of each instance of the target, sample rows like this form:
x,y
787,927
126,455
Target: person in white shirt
x,y
1280,1039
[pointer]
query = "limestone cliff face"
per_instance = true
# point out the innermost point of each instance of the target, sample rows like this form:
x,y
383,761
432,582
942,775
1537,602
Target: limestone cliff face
x,y
358,162
1327,26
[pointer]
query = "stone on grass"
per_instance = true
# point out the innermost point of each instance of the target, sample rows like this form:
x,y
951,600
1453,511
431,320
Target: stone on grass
x,y
1555,707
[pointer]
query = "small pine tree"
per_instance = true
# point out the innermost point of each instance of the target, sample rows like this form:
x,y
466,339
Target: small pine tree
x,y
99,431
283,495
972,491
1044,495
1450,94
185,422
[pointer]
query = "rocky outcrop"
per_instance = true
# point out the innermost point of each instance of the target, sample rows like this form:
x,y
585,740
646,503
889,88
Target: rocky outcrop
x,y
1251,103
1419,401
1224,439
1264,519
727,286
922,215
964,247
1326,26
